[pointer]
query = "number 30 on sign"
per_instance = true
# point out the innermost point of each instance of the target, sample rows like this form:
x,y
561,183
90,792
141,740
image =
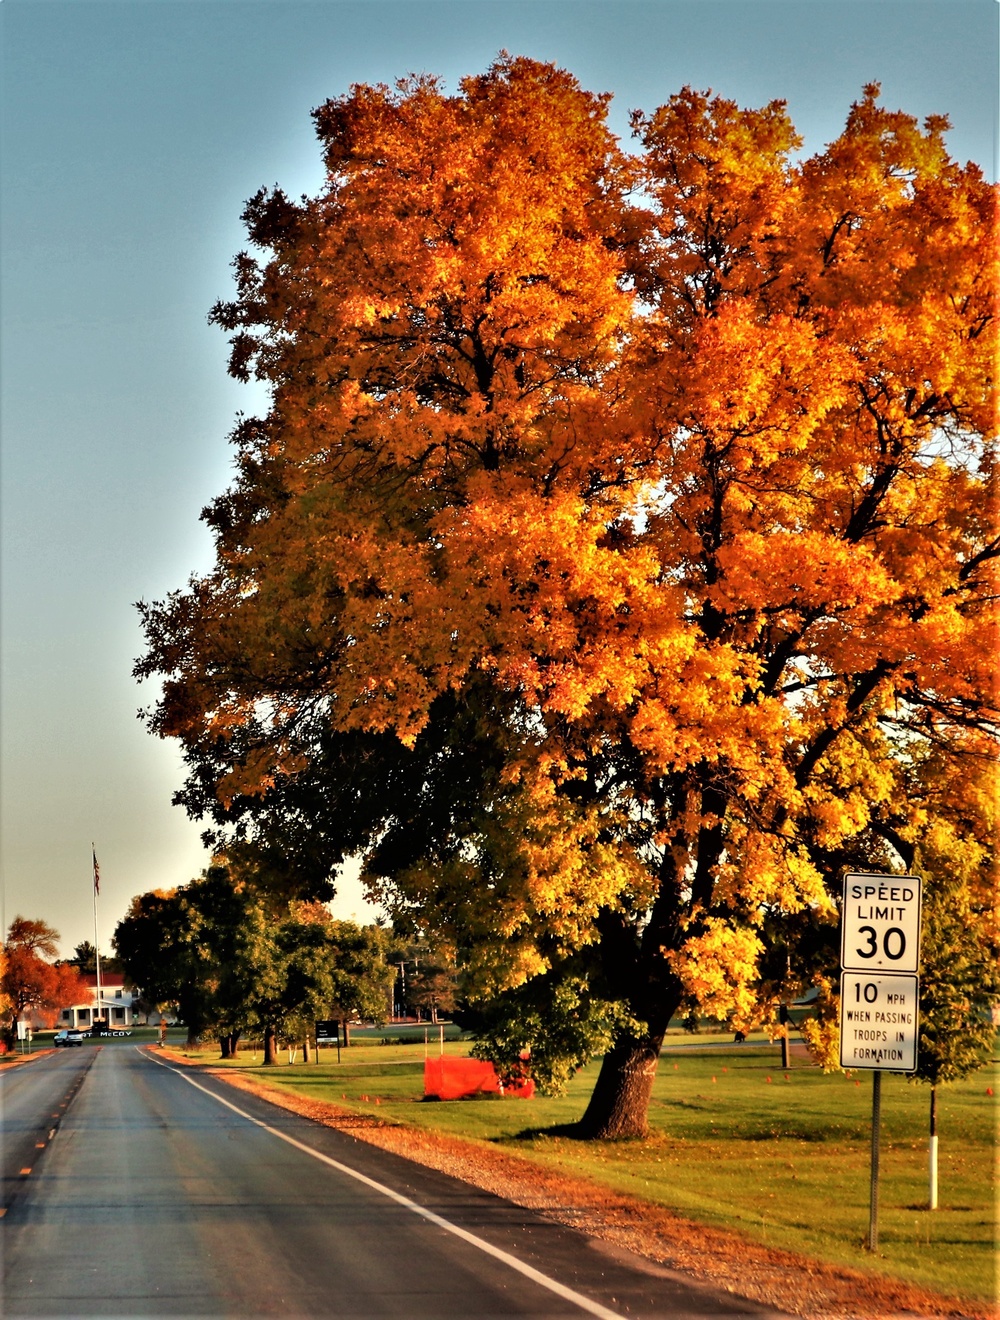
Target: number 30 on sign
x,y
880,927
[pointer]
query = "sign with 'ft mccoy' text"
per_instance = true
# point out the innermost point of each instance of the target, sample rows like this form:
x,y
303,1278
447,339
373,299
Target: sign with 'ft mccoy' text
x,y
880,923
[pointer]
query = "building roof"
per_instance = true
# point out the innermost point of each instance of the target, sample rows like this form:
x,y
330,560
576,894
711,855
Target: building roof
x,y
112,980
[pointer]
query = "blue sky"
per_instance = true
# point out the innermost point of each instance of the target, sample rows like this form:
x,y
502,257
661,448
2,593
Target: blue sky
x,y
132,133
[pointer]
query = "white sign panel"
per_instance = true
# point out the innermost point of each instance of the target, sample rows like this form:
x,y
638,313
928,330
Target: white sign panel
x,y
878,1021
880,923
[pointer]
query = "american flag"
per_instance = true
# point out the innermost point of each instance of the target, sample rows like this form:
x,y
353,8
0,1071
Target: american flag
x,y
97,872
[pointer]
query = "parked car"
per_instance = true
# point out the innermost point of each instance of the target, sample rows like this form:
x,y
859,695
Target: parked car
x,y
68,1038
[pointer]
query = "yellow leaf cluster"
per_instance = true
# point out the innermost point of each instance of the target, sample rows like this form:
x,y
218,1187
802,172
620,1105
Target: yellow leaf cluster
x,y
717,969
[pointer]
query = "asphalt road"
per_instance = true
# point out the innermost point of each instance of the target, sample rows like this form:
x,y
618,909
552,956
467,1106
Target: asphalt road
x,y
152,1192
34,1097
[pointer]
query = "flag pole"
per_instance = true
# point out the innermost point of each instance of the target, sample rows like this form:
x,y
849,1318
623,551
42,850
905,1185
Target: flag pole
x,y
97,943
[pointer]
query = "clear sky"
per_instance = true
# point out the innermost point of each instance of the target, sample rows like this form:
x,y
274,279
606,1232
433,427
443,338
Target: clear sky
x,y
132,133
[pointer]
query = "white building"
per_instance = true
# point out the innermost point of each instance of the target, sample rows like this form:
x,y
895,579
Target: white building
x,y
115,1004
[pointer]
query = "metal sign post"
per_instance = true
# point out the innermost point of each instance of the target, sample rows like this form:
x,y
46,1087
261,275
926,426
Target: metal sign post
x,y
879,990
873,1195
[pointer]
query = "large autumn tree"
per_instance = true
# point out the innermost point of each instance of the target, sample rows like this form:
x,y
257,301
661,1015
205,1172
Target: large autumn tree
x,y
620,534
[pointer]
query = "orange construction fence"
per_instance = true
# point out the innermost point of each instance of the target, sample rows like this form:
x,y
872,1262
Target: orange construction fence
x,y
456,1079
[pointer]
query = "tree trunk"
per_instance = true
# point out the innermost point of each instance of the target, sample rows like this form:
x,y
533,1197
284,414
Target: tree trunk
x,y
270,1046
234,1044
620,1102
305,1050
347,1033
784,1018
226,1046
932,1154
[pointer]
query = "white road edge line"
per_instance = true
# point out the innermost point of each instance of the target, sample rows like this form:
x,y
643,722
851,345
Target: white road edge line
x,y
585,1303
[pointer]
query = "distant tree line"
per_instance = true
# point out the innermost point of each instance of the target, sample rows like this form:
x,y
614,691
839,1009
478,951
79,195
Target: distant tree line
x,y
234,960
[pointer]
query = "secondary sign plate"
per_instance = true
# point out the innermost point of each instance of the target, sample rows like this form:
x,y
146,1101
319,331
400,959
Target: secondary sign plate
x,y
880,923
878,1021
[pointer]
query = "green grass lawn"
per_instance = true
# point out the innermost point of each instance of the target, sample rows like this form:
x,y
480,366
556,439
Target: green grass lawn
x,y
737,1144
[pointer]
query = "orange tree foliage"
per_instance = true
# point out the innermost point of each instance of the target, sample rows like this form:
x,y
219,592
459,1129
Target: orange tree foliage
x,y
619,543
30,984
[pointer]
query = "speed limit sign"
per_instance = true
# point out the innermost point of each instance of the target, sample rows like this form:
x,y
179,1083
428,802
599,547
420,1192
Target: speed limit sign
x,y
880,925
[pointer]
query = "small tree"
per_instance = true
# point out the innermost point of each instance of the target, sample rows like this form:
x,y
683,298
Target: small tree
x,y
157,945
288,970
30,983
432,988
199,946
959,975
36,937
85,959
431,983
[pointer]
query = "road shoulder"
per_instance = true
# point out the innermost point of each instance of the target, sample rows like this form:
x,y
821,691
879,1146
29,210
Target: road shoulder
x,y
774,1278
